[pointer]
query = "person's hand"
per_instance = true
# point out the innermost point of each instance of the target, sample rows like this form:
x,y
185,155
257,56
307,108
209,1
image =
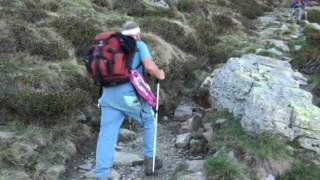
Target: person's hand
x,y
161,75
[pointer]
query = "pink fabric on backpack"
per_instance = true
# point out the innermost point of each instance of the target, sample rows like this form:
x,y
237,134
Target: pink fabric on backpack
x,y
142,87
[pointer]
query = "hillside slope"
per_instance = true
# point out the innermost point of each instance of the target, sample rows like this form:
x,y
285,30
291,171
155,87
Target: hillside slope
x,y
48,101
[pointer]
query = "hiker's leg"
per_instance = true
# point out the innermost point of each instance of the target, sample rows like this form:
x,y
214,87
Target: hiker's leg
x,y
143,114
111,120
299,14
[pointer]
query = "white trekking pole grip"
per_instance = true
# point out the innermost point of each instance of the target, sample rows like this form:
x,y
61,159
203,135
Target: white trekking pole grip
x,y
155,132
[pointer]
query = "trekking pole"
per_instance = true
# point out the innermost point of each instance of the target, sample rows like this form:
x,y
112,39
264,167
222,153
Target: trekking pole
x,y
155,132
305,15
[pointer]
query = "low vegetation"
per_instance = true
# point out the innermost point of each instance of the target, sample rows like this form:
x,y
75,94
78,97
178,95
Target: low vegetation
x,y
302,171
225,167
253,151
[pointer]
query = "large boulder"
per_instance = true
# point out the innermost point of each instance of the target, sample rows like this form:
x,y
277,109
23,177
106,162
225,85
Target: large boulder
x,y
264,93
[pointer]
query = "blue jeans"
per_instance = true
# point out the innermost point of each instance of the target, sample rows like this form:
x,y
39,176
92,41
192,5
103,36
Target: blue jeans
x,y
117,102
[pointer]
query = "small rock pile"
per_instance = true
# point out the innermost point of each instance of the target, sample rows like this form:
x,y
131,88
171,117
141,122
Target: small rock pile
x,y
193,136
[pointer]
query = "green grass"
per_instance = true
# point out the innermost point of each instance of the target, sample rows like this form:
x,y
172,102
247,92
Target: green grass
x,y
267,54
248,148
224,167
261,146
232,46
302,171
315,78
266,146
297,42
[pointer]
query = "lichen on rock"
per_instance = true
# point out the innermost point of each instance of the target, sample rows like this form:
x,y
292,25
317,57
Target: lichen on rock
x,y
265,94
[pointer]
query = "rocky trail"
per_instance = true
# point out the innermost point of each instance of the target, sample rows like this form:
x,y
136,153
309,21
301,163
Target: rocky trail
x,y
274,30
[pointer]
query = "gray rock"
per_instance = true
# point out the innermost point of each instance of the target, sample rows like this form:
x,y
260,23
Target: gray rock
x,y
127,159
207,82
158,3
270,177
55,172
115,175
208,134
4,135
183,140
192,124
80,116
126,135
91,174
86,166
284,28
287,59
195,165
193,176
265,94
265,20
183,112
165,118
279,44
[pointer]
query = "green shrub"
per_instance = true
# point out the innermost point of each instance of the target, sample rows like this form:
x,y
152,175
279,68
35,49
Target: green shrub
x,y
27,41
307,60
267,54
246,8
189,6
175,34
225,167
32,13
227,46
102,3
266,146
312,34
314,16
79,31
222,2
52,103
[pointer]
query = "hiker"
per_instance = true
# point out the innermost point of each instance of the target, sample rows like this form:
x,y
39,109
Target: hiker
x,y
298,6
118,101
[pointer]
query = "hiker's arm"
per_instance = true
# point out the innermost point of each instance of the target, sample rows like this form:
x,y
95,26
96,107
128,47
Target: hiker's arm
x,y
153,69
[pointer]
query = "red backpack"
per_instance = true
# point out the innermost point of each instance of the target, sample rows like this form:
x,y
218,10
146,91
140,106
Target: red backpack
x,y
110,58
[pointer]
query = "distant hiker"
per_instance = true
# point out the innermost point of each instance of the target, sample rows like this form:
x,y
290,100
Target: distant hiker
x,y
298,6
120,99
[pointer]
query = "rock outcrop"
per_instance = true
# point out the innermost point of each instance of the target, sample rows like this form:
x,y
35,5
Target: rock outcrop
x,y
265,94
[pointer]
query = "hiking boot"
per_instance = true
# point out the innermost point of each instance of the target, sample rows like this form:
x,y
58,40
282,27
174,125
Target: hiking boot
x,y
148,165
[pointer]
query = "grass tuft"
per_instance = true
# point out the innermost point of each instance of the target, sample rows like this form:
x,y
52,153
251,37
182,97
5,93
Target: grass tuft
x,y
302,171
225,167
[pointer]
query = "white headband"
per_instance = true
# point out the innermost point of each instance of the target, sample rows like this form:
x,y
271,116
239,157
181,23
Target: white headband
x,y
131,31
